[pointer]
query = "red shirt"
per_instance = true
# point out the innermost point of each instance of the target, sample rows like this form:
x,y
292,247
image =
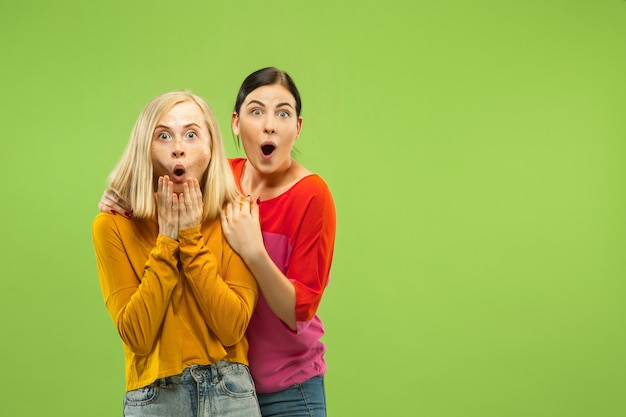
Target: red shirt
x,y
299,234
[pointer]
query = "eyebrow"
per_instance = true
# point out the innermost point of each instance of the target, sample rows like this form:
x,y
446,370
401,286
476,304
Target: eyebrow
x,y
193,124
263,105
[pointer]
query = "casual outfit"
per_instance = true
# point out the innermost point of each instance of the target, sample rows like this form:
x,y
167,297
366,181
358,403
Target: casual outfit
x,y
181,308
299,234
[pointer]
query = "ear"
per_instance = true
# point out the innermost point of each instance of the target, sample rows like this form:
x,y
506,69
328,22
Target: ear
x,y
299,128
234,122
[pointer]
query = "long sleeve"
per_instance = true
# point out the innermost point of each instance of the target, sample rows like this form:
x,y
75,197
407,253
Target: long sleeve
x,y
137,306
174,303
313,247
225,289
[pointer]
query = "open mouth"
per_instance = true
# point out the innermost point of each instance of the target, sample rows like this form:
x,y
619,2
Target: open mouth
x,y
267,149
178,171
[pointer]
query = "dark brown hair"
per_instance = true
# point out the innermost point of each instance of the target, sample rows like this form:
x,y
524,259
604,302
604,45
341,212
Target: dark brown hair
x,y
267,76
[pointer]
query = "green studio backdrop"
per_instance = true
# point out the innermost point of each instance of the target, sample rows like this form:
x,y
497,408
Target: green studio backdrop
x,y
475,150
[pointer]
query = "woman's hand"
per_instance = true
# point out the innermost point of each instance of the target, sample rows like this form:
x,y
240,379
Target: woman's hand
x,y
111,202
190,205
167,208
242,228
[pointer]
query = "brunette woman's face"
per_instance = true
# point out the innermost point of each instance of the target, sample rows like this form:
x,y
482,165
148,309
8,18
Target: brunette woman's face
x,y
181,144
268,126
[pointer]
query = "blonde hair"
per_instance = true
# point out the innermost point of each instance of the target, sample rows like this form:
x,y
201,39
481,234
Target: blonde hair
x,y
133,177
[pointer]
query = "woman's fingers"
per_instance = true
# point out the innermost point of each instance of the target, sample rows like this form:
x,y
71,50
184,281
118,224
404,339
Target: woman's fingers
x,y
111,202
191,205
254,208
167,208
225,217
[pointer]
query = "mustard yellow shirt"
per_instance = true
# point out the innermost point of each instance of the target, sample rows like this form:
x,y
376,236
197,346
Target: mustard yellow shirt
x,y
174,303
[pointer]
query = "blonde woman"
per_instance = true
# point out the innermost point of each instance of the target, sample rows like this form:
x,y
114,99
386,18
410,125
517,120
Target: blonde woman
x,y
179,296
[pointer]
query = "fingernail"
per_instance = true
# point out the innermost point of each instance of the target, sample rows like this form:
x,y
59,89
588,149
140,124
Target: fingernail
x,y
127,214
258,200
113,212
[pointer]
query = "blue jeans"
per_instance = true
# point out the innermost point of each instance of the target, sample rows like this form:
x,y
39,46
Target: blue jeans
x,y
221,389
307,400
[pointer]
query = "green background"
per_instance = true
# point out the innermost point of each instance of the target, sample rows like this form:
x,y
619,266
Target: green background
x,y
475,149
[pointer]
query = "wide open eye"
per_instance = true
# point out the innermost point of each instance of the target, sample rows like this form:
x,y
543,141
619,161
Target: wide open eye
x,y
163,136
192,135
283,114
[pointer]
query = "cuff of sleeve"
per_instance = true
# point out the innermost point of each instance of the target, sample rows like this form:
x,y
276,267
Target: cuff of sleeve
x,y
166,244
189,234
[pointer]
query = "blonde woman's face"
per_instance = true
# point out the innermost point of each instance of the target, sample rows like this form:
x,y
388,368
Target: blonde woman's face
x,y
181,144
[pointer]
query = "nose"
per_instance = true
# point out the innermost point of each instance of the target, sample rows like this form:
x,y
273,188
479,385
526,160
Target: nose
x,y
178,150
270,124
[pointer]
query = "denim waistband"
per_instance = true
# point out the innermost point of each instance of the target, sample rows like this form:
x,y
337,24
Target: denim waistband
x,y
201,372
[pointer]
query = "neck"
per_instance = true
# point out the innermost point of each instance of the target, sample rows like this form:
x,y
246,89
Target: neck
x,y
267,185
